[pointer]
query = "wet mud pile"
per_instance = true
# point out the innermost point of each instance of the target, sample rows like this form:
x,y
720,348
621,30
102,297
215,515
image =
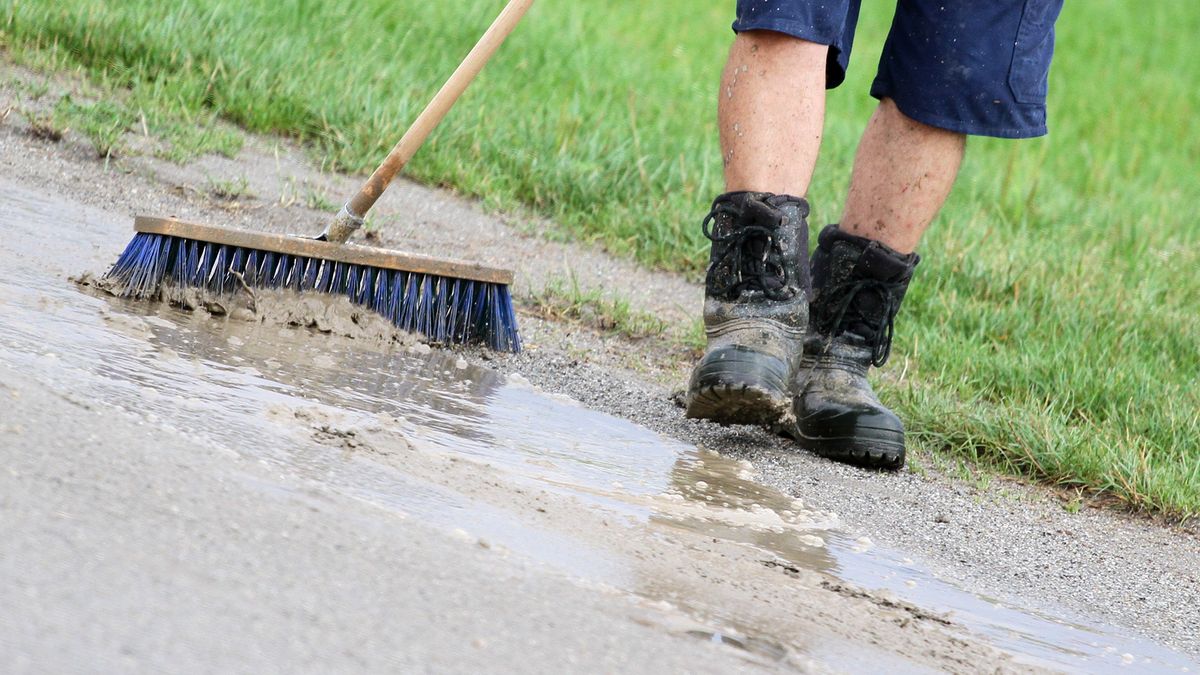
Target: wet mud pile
x,y
321,312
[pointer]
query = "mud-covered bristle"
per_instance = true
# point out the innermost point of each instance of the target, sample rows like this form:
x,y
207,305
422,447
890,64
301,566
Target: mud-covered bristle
x,y
443,309
140,269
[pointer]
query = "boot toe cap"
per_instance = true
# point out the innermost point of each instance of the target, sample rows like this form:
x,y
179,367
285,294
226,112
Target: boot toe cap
x,y
840,419
865,435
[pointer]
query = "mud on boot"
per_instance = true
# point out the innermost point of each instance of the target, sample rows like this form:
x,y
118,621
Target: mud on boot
x,y
755,309
858,285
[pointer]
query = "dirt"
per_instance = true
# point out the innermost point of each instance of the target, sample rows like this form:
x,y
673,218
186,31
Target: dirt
x,y
687,569
326,314
1009,542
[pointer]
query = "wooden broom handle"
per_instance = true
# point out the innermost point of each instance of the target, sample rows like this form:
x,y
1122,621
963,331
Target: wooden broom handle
x,y
438,107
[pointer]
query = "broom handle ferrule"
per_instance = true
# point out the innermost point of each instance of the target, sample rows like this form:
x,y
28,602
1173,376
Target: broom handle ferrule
x,y
353,212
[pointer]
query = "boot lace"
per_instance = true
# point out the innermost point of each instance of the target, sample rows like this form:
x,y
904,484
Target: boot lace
x,y
844,311
749,270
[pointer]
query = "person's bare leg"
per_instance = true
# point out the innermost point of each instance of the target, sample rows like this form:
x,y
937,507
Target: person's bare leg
x,y
771,109
771,112
903,172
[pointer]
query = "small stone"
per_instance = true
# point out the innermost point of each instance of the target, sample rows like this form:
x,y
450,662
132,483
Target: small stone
x,y
811,540
518,380
1127,659
461,364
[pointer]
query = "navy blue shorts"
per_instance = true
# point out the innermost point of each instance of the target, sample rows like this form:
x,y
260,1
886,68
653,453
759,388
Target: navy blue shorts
x,y
973,66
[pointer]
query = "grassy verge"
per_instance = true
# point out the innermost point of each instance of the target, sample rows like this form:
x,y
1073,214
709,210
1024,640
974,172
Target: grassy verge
x,y
563,299
1052,331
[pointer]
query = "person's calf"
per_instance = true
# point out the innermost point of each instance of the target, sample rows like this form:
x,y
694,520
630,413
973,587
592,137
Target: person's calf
x,y
771,110
903,173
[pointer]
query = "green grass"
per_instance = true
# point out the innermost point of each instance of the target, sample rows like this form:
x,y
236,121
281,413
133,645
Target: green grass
x,y
102,123
47,125
319,202
228,189
1052,330
563,298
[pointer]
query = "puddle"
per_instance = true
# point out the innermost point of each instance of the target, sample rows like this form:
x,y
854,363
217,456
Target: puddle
x,y
367,411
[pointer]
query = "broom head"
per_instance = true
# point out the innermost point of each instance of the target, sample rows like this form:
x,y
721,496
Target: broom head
x,y
447,301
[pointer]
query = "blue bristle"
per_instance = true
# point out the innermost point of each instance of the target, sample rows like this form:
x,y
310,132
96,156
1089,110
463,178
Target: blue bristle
x,y
219,270
407,310
379,279
296,282
478,315
455,288
415,310
338,282
442,309
395,297
324,277
251,273
442,312
266,274
379,299
463,311
181,263
141,267
311,268
279,271
291,273
237,264
366,286
352,282
198,276
425,307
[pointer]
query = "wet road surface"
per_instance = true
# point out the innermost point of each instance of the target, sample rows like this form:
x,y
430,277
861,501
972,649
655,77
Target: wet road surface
x,y
190,490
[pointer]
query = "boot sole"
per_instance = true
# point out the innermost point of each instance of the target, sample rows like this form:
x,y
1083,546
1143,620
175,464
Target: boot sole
x,y
740,386
870,453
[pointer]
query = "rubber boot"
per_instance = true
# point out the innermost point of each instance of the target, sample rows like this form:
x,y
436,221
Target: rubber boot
x,y
755,309
858,285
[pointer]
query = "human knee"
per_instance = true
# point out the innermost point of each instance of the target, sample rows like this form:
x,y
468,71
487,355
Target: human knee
x,y
894,117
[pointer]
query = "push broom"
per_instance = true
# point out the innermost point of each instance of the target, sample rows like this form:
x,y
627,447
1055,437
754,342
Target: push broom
x,y
448,301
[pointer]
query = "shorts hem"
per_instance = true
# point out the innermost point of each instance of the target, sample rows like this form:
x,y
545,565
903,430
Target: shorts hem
x,y
796,29
956,125
835,67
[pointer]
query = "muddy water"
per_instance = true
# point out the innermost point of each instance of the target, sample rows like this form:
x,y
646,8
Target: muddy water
x,y
389,423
